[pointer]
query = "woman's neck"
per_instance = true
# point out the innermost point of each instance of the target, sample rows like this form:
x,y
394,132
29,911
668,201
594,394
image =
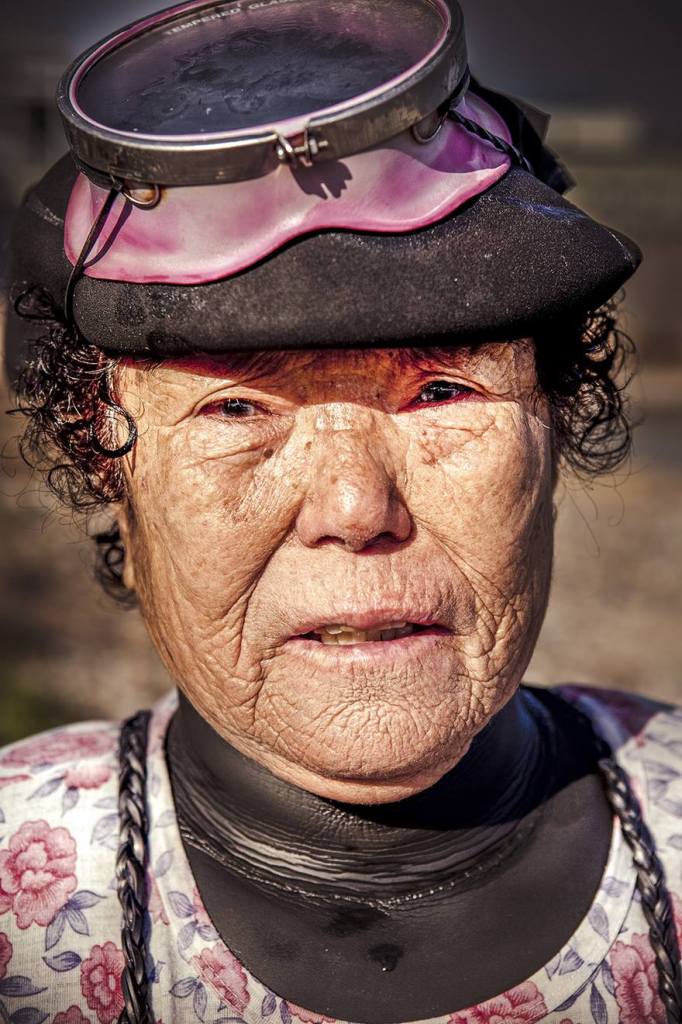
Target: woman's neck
x,y
287,838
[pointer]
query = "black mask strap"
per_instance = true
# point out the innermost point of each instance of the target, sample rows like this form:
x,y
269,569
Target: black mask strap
x,y
90,241
527,128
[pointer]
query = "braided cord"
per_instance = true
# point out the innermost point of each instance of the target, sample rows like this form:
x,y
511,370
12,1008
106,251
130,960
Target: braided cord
x,y
651,883
131,863
656,903
474,128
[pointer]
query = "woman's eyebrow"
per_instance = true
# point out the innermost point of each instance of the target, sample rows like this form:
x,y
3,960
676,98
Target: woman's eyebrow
x,y
452,357
242,366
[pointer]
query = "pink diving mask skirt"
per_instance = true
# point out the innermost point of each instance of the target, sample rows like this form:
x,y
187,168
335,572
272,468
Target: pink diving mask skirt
x,y
201,233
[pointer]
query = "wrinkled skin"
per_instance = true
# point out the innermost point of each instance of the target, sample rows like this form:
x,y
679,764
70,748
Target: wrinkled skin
x,y
340,487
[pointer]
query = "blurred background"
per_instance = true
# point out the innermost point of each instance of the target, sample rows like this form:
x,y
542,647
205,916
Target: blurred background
x,y
609,72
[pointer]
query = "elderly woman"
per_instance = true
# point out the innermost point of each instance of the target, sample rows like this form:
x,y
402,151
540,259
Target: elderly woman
x,y
306,311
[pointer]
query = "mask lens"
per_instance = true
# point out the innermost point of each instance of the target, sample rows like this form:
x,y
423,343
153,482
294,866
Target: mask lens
x,y
233,67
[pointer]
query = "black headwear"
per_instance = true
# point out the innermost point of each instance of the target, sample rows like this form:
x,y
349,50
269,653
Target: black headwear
x,y
513,256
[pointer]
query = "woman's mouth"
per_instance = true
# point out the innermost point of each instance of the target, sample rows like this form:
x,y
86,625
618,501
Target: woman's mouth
x,y
342,635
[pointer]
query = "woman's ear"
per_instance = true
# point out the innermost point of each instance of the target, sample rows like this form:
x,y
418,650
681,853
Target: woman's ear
x,y
125,518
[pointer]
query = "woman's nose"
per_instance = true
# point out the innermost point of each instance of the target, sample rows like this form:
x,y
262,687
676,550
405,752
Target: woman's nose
x,y
352,499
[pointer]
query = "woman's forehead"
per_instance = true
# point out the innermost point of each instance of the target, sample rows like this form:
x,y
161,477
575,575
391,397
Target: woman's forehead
x,y
322,364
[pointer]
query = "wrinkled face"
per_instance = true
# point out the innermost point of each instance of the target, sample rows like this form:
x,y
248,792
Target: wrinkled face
x,y
343,557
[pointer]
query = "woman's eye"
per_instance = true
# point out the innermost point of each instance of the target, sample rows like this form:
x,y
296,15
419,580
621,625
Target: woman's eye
x,y
233,408
441,391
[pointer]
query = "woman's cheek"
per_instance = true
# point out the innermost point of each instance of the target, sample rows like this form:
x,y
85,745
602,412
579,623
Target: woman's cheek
x,y
207,525
220,472
485,474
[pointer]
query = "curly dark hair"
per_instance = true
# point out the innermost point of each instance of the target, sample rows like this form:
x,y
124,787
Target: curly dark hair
x,y
583,366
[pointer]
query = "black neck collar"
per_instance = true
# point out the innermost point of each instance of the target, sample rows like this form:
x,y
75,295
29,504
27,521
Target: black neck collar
x,y
287,838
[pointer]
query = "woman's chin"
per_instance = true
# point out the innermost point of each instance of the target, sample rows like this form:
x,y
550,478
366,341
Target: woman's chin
x,y
376,786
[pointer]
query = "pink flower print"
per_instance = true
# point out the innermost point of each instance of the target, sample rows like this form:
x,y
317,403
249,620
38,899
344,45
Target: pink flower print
x,y
101,982
220,969
521,1005
636,978
71,1016
9,780
37,873
307,1015
6,950
60,745
636,981
87,776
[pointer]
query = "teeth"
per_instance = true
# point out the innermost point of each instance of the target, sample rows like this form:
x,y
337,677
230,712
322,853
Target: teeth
x,y
355,637
346,635
397,631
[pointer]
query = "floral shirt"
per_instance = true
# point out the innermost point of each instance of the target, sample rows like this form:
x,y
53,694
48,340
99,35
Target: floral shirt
x,y
60,948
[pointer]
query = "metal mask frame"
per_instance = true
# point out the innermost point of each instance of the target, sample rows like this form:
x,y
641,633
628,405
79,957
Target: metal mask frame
x,y
367,120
